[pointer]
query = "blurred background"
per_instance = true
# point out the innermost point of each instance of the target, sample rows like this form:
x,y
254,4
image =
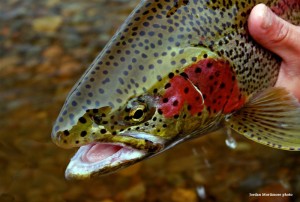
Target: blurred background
x,y
45,46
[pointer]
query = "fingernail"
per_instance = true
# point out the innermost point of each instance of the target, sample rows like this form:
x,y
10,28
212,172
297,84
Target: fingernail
x,y
267,18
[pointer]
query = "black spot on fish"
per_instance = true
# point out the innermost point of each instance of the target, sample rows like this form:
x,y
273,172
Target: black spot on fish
x,y
175,103
168,85
66,132
184,75
83,133
198,70
186,90
82,120
171,75
160,111
222,85
209,65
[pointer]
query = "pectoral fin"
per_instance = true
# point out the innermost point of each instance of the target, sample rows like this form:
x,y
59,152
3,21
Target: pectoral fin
x,y
272,118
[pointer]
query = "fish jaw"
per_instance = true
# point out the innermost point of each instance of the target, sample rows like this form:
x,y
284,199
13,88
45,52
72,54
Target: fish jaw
x,y
100,158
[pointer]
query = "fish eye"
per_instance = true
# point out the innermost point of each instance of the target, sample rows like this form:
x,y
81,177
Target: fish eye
x,y
137,113
138,110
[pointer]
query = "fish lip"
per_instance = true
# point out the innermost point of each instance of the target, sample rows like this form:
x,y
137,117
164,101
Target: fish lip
x,y
146,136
78,168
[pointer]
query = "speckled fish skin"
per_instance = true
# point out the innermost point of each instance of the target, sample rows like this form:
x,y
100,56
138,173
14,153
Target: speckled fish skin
x,y
173,71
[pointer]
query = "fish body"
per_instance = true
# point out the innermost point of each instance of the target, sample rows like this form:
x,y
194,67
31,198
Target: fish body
x,y
176,70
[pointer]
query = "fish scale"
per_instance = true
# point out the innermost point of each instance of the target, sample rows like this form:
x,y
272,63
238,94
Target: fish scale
x,y
174,70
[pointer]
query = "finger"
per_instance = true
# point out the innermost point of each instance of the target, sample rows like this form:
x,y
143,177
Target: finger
x,y
274,33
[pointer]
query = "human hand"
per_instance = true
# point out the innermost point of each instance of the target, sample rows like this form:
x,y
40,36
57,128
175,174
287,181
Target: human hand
x,y
281,38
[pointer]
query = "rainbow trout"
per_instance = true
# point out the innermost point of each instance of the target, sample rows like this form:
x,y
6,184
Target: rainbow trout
x,y
175,70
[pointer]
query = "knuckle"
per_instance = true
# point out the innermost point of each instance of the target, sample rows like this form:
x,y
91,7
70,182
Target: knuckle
x,y
280,31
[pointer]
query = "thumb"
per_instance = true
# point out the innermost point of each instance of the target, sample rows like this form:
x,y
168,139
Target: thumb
x,y
274,33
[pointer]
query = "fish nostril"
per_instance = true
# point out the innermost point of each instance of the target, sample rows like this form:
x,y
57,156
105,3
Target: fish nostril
x,y
98,116
97,119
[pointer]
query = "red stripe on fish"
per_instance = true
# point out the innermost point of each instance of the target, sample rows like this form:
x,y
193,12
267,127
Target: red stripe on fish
x,y
180,91
217,83
236,100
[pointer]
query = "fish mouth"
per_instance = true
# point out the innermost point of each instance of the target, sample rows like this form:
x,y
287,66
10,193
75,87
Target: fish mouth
x,y
100,158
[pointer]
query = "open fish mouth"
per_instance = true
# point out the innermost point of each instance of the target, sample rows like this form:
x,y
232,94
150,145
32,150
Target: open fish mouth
x,y
98,158
101,158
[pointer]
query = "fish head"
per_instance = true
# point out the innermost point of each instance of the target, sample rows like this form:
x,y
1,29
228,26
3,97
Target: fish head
x,y
136,100
112,138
